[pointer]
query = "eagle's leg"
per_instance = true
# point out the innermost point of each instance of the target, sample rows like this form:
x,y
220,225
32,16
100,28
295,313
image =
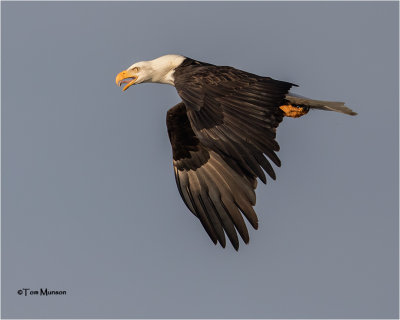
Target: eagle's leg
x,y
294,111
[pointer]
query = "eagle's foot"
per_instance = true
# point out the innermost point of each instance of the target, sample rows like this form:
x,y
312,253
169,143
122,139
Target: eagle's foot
x,y
294,111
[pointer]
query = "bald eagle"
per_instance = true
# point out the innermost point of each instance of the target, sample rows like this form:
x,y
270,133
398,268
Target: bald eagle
x,y
222,135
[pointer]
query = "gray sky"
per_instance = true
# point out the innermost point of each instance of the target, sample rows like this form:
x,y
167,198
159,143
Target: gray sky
x,y
90,204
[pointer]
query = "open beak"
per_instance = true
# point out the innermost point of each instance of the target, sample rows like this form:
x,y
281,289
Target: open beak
x,y
127,76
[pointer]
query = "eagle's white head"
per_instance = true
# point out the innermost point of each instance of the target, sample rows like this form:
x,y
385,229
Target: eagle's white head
x,y
160,70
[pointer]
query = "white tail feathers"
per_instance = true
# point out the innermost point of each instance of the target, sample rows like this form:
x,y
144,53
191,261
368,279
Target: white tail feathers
x,y
319,104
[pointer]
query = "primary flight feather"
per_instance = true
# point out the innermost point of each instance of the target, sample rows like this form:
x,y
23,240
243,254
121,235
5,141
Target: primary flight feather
x,y
222,136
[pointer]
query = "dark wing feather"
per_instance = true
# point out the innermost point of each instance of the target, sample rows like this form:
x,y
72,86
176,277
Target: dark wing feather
x,y
208,183
234,113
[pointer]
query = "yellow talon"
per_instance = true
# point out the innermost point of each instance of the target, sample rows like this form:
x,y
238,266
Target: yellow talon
x,y
293,112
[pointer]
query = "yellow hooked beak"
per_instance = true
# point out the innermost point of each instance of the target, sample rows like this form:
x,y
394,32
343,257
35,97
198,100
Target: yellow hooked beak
x,y
127,76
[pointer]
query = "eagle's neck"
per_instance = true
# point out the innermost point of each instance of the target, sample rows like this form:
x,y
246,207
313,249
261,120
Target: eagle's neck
x,y
163,68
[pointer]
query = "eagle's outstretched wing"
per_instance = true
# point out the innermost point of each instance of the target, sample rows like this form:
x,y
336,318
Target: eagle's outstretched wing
x,y
211,188
234,113
221,134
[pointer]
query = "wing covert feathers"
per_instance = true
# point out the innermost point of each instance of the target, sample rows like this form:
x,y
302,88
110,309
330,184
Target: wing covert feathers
x,y
234,113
